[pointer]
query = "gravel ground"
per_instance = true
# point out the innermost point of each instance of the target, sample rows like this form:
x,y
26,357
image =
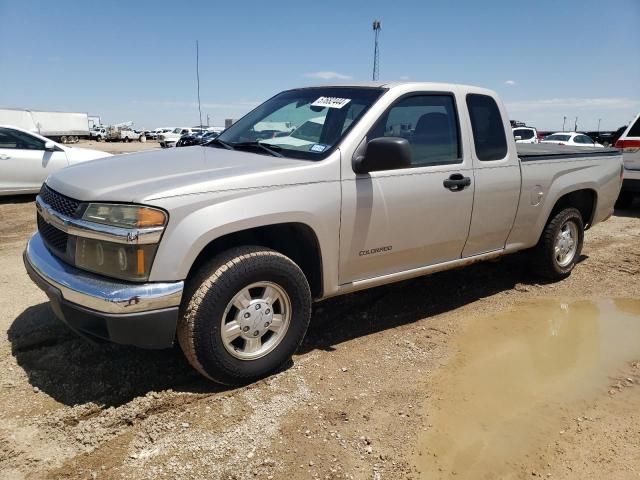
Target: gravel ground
x,y
350,405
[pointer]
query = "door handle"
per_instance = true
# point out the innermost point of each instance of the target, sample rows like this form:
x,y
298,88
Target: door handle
x,y
457,182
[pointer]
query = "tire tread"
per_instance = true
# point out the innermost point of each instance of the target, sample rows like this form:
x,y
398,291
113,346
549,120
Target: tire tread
x,y
206,288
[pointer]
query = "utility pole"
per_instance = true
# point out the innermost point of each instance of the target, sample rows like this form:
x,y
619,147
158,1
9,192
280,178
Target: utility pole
x,y
208,120
564,120
575,125
599,126
198,81
376,52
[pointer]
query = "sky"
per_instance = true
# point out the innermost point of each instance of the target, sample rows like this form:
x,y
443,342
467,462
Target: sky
x,y
135,61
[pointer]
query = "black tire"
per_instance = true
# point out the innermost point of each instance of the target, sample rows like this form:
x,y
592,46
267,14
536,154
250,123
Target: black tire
x,y
625,199
205,301
543,259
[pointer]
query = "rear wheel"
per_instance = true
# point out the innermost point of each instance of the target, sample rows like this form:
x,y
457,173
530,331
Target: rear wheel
x,y
559,246
244,315
63,139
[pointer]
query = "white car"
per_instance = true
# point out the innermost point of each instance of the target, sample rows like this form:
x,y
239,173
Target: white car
x,y
169,139
574,139
525,135
629,143
27,159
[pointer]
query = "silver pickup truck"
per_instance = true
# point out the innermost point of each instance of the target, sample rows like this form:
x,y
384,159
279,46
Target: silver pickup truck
x,y
317,192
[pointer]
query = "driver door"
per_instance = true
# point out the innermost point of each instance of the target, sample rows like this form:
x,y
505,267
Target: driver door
x,y
24,163
398,220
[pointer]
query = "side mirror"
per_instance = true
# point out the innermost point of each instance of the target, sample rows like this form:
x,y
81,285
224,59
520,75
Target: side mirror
x,y
49,146
518,137
384,153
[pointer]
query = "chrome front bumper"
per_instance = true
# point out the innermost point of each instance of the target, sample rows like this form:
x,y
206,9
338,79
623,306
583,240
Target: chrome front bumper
x,y
95,292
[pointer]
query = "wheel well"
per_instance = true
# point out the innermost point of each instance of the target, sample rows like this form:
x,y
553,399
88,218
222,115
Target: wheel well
x,y
583,200
295,240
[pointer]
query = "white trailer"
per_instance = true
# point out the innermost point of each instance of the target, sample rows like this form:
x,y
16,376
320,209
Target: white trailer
x,y
64,127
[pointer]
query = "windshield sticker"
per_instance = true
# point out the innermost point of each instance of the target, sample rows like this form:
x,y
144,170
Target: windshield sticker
x,y
331,102
318,148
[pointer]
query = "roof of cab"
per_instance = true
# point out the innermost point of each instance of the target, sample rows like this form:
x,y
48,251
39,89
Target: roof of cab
x,y
381,84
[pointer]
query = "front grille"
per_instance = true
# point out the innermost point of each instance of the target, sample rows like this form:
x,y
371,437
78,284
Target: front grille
x,y
61,204
53,237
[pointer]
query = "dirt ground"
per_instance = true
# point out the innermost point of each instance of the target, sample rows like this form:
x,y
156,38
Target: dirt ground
x,y
360,392
117,147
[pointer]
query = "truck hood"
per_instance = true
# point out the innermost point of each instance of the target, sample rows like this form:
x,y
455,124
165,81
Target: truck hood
x,y
145,176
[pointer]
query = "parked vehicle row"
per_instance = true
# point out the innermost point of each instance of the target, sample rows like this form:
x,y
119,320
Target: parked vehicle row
x,y
170,139
196,139
226,245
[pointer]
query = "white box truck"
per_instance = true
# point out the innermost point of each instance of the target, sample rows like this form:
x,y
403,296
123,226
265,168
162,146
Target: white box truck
x,y
63,127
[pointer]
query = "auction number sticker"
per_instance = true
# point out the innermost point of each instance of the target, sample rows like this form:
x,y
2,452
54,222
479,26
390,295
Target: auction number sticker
x,y
331,102
318,148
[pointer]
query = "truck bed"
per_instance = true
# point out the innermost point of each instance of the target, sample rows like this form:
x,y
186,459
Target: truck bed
x,y
541,151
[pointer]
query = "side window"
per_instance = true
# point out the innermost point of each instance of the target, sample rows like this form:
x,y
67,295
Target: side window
x,y
488,130
17,140
7,140
429,123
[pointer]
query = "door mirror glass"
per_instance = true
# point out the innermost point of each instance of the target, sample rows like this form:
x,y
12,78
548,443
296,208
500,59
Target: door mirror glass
x,y
49,146
384,153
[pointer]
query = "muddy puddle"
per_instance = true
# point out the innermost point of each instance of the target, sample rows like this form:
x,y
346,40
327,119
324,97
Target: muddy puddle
x,y
515,377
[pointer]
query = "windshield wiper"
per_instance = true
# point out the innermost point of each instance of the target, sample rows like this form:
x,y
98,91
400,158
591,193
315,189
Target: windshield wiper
x,y
217,141
271,149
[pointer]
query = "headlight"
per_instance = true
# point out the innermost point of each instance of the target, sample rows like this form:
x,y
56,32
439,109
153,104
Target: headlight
x,y
124,216
127,261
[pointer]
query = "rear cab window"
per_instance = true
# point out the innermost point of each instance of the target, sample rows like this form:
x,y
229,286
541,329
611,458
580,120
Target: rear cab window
x,y
524,133
488,129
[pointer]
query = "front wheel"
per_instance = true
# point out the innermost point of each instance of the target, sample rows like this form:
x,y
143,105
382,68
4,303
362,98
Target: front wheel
x,y
559,246
244,315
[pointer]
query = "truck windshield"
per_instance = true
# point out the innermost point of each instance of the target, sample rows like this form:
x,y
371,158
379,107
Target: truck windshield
x,y
304,123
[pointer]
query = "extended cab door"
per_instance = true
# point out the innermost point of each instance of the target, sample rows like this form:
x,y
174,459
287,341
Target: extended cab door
x,y
24,163
397,220
497,174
